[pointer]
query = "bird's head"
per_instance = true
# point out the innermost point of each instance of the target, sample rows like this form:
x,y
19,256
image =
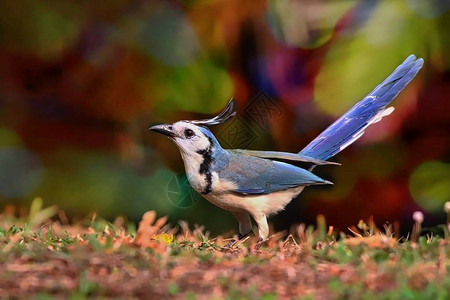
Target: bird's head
x,y
191,136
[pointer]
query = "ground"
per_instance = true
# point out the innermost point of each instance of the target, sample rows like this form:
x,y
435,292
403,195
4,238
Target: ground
x,y
49,258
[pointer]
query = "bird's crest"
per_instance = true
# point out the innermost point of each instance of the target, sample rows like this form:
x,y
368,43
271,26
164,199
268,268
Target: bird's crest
x,y
228,112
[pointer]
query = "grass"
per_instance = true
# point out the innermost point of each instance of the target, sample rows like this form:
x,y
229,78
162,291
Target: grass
x,y
45,258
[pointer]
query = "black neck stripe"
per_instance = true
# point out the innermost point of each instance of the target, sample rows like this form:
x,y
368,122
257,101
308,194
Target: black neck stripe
x,y
205,166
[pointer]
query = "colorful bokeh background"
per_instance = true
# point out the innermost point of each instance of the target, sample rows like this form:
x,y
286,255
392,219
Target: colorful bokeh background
x,y
81,81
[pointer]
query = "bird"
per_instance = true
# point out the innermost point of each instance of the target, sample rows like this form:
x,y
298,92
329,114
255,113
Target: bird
x,y
255,184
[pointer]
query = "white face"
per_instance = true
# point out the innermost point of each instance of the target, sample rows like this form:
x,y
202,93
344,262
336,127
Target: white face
x,y
189,137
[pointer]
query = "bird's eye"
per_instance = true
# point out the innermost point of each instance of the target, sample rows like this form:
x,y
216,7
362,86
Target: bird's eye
x,y
189,133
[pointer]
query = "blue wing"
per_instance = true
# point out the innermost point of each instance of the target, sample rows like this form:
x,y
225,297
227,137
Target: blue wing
x,y
263,176
284,156
350,126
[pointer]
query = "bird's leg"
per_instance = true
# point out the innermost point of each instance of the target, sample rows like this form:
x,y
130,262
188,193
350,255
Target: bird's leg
x,y
245,223
263,229
243,236
245,226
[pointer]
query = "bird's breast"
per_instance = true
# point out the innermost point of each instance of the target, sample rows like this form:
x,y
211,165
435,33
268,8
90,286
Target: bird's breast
x,y
197,182
192,167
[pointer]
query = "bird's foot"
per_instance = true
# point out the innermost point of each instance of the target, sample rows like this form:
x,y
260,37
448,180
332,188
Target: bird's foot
x,y
230,244
233,242
258,244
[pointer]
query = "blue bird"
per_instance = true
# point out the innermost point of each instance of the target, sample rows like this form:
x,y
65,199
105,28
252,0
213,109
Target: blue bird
x,y
258,184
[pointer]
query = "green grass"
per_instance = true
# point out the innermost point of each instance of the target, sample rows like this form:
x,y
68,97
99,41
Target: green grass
x,y
98,259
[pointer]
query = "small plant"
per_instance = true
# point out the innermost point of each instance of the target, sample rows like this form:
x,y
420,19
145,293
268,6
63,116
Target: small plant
x,y
48,257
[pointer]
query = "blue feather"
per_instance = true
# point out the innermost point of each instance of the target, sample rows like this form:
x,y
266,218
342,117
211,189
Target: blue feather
x,y
350,126
254,175
284,156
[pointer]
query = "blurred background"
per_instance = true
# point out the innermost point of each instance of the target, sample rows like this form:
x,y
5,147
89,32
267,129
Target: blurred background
x,y
81,81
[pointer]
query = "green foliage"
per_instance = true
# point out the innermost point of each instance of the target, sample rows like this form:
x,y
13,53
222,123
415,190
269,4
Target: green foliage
x,y
101,259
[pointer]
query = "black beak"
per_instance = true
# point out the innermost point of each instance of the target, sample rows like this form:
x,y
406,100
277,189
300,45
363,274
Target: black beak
x,y
164,129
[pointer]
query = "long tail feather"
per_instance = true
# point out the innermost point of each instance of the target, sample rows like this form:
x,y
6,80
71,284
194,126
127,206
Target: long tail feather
x,y
351,126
